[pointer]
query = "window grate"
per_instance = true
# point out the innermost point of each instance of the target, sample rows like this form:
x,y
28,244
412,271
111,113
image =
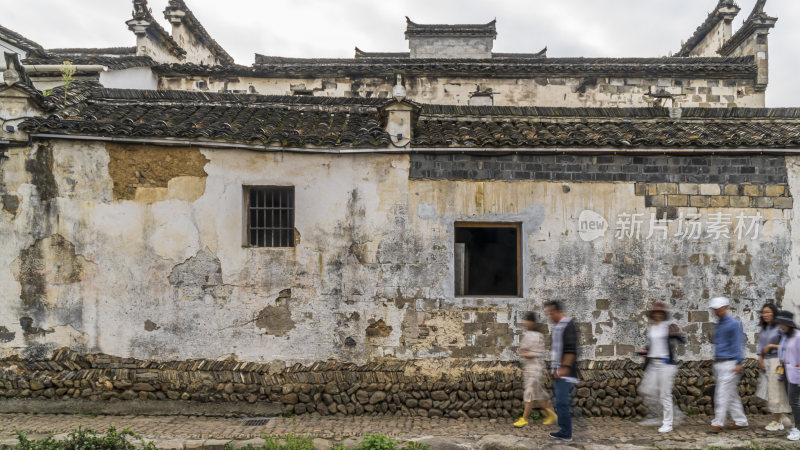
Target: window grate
x,y
255,422
270,217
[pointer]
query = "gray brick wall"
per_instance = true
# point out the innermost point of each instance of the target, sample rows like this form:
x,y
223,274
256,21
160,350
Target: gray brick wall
x,y
699,169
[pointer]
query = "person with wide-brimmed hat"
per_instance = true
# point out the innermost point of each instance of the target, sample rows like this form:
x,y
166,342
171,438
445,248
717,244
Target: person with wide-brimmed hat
x,y
774,389
660,364
791,366
729,340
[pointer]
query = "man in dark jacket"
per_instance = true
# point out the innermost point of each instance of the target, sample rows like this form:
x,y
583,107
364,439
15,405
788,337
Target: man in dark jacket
x,y
564,358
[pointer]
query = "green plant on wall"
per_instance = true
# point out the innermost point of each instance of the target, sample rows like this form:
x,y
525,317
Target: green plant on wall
x,y
67,71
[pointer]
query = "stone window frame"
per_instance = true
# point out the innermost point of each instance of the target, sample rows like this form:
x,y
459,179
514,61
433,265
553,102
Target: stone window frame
x,y
265,204
517,226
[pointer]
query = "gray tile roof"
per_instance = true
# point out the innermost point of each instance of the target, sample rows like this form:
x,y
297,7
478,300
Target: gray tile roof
x,y
272,66
335,122
20,41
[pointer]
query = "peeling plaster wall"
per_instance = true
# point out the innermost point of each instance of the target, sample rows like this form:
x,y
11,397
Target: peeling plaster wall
x,y
196,51
371,276
541,91
792,299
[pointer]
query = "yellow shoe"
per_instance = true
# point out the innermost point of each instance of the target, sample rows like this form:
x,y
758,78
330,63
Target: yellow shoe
x,y
520,423
551,417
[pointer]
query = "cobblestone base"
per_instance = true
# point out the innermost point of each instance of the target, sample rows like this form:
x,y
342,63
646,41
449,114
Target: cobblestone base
x,y
187,432
458,390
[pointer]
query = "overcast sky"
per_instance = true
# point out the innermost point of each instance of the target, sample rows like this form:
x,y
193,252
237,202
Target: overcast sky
x,y
332,28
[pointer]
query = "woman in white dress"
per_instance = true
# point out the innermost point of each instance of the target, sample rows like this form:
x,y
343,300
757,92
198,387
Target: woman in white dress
x,y
531,349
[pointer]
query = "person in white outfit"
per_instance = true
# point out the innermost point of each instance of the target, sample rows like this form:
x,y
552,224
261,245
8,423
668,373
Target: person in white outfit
x,y
769,339
791,365
660,365
729,343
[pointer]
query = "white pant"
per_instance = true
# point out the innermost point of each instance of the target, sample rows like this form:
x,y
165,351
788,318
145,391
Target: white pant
x,y
726,395
656,387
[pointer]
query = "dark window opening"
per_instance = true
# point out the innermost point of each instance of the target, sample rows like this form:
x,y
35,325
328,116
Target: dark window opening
x,y
487,259
306,92
270,216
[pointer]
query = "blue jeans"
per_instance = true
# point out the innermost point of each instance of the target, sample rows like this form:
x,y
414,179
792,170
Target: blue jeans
x,y
561,392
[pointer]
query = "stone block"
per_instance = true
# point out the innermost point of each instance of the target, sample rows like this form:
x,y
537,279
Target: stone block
x,y
652,189
709,189
216,444
753,190
680,271
700,201
775,191
720,201
677,200
762,202
666,188
739,202
689,188
625,350
604,350
783,202
169,444
640,189
732,189
655,201
698,316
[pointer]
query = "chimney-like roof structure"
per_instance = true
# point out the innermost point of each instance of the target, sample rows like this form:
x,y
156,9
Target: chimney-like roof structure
x,y
191,22
441,30
757,19
143,23
724,9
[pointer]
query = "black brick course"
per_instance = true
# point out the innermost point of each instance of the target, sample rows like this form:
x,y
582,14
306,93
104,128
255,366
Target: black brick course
x,y
755,169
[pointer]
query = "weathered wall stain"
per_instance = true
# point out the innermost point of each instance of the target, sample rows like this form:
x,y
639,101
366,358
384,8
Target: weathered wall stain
x,y
199,277
373,275
39,165
277,320
378,329
26,323
49,261
10,202
133,167
5,335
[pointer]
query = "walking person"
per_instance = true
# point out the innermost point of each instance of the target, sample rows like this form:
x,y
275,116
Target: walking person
x,y
729,343
791,365
769,340
531,349
660,365
564,357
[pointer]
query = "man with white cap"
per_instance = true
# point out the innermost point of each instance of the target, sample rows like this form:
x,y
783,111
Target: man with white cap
x,y
729,343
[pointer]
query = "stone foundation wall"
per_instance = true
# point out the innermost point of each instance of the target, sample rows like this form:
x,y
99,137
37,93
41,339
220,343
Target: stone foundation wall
x,y
410,388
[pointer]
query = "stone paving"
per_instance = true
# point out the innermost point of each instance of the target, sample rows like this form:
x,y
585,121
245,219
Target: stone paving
x,y
596,433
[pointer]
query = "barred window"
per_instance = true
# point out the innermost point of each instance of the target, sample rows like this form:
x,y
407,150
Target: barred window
x,y
270,216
